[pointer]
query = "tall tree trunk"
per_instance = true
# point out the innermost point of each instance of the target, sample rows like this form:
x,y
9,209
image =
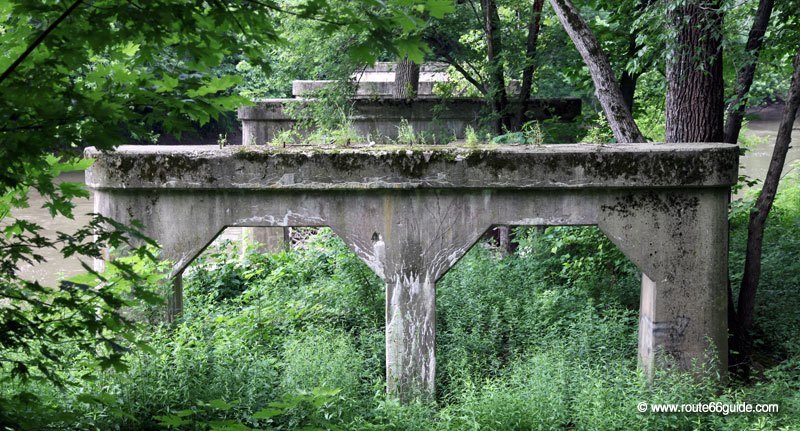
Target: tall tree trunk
x,y
605,84
627,85
744,78
627,82
758,218
695,105
530,67
406,79
497,83
694,74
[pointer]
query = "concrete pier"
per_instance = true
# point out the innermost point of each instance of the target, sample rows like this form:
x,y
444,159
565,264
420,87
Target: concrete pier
x,y
412,213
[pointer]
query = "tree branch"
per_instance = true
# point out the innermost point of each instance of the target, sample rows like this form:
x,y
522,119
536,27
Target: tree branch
x,y
300,15
449,60
744,79
38,41
758,217
605,84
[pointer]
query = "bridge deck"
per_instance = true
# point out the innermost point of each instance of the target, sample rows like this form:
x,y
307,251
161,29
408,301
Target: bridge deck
x,y
498,167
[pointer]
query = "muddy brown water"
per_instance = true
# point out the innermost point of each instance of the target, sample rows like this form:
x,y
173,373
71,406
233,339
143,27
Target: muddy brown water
x,y
754,164
56,267
764,131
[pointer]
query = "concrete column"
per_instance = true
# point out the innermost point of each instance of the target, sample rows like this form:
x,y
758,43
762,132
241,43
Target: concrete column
x,y
410,338
680,242
410,239
175,300
271,239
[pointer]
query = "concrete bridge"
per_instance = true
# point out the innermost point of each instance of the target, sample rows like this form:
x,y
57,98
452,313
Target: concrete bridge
x,y
412,213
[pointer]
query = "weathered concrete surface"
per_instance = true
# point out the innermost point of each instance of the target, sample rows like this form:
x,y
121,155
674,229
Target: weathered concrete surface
x,y
400,167
378,118
679,239
378,80
269,239
411,213
382,85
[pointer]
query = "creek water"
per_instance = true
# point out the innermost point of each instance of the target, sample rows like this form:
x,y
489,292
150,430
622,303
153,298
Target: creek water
x,y
763,131
56,267
754,164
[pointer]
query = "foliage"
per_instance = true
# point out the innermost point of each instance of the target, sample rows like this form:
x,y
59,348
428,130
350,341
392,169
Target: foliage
x,y
286,137
405,133
471,137
66,336
42,325
781,273
219,274
599,132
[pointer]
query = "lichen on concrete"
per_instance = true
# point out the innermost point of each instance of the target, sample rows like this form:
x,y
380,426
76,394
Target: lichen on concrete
x,y
544,166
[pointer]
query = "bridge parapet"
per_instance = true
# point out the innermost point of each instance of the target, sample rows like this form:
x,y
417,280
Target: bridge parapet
x,y
412,212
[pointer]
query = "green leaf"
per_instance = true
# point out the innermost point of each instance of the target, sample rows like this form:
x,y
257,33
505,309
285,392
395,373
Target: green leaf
x,y
215,85
267,413
166,84
362,54
413,48
130,49
228,425
439,8
220,405
171,420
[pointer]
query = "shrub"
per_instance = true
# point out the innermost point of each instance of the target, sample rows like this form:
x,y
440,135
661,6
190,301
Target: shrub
x,y
322,359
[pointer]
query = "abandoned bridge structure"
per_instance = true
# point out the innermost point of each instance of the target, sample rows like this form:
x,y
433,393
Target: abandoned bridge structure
x,y
412,212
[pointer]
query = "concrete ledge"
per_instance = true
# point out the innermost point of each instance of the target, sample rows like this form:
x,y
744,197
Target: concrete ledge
x,y
379,117
450,167
382,85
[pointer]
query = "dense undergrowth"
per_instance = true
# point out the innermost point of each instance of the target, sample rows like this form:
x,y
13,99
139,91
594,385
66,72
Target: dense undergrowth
x,y
542,339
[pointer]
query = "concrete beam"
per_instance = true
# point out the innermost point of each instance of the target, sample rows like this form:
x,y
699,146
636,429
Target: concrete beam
x,y
381,84
493,167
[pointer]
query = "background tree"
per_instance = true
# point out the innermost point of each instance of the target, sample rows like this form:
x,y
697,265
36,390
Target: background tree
x,y
763,205
694,111
500,45
406,79
746,74
531,42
